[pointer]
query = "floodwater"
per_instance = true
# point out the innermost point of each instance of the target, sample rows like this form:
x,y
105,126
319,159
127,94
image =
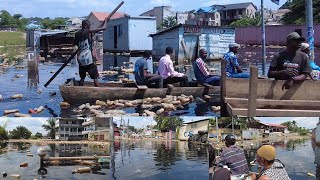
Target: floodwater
x,y
36,95
298,157
160,160
10,161
31,86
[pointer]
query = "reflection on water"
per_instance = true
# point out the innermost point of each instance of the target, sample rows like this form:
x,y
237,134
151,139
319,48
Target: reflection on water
x,y
160,160
16,153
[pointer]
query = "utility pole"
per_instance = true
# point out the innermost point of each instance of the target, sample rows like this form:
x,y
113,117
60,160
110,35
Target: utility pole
x,y
263,29
310,31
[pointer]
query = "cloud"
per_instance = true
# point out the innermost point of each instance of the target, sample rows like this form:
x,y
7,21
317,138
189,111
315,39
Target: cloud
x,y
161,2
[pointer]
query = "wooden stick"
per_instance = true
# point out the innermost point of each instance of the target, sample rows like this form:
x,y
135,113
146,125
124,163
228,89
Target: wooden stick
x,y
253,87
223,89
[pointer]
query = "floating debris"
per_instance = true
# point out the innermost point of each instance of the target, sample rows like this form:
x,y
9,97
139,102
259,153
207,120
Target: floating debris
x,y
21,115
101,103
64,105
39,91
15,176
25,164
16,96
40,109
6,112
30,155
82,170
216,108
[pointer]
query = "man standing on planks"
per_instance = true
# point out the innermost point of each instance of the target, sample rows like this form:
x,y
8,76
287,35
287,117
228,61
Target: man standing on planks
x,y
85,57
290,65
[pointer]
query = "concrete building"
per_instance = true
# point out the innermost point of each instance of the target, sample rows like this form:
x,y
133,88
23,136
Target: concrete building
x,y
74,23
219,135
278,14
233,12
97,129
205,16
192,129
182,17
69,128
160,13
251,134
129,34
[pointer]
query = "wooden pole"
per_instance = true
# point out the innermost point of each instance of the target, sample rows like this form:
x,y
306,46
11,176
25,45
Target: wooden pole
x,y
253,87
223,90
74,158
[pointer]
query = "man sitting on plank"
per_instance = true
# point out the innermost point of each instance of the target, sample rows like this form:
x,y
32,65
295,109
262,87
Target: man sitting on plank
x,y
85,58
201,72
233,68
167,71
290,65
142,76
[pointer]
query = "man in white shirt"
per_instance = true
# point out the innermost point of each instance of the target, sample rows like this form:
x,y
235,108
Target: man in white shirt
x,y
167,71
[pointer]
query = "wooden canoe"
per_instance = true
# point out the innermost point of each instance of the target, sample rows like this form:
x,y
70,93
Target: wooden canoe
x,y
74,94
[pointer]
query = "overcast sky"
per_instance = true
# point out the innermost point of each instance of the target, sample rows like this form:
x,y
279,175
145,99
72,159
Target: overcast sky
x,y
69,8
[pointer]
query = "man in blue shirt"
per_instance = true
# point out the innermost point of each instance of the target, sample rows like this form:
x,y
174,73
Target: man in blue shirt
x,y
143,76
232,67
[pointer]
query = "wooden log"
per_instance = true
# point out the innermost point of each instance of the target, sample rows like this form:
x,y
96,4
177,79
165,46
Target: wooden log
x,y
223,91
74,158
253,87
10,111
21,115
271,102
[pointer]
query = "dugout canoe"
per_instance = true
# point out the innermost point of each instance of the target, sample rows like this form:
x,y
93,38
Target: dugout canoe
x,y
72,93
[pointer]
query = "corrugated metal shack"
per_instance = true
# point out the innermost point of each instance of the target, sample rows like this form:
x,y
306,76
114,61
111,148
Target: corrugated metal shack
x,y
186,40
51,43
129,34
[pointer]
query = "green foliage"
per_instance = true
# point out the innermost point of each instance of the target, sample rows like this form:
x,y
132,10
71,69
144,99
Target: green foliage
x,y
248,21
51,127
3,133
298,12
169,22
20,132
12,38
293,127
165,124
38,135
16,21
48,23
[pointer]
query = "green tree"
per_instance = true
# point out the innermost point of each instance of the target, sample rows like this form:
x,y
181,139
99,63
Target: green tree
x,y
6,18
51,127
38,135
3,133
48,23
20,132
248,21
165,124
297,14
169,22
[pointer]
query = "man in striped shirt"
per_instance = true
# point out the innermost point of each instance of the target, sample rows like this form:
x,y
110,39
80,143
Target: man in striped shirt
x,y
201,72
233,157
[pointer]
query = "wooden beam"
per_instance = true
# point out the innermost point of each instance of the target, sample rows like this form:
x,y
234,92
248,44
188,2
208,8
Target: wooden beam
x,y
223,89
74,158
274,112
253,87
271,102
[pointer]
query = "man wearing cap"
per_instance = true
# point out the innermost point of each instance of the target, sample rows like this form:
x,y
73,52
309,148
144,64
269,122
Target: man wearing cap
x,y
290,65
143,76
233,157
273,169
232,67
305,47
201,72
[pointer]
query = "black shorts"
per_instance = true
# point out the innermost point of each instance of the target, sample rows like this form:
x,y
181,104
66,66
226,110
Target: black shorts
x,y
91,69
